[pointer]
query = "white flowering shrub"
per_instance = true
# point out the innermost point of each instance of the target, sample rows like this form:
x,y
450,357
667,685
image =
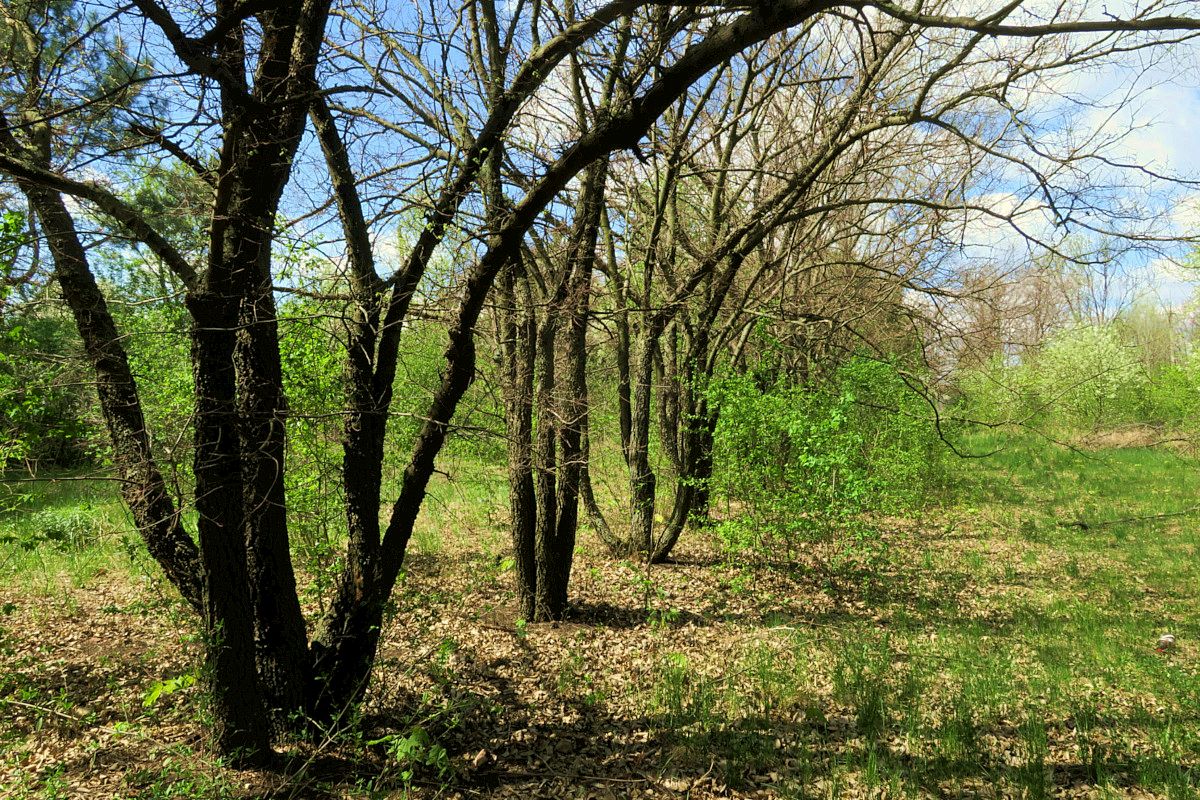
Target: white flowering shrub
x,y
1087,375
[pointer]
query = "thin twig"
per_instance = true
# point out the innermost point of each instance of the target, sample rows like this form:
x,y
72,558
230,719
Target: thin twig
x,y
63,715
1085,525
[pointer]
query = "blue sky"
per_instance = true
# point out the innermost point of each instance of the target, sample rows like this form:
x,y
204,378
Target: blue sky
x,y
1152,99
1147,106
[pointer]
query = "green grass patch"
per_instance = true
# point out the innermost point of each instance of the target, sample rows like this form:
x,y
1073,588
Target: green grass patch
x,y
65,528
1009,652
1001,645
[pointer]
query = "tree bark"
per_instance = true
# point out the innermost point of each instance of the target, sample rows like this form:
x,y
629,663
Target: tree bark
x,y
642,481
281,639
242,729
545,465
142,486
261,134
573,406
518,351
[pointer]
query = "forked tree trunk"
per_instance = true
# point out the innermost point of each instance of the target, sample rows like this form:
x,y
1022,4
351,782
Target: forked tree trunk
x,y
573,404
242,730
333,664
562,408
281,641
690,505
261,134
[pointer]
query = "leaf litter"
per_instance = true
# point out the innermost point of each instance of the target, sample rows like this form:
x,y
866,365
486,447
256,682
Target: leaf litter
x,y
714,676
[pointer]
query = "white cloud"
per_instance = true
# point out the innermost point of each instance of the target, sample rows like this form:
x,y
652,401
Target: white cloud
x,y
1170,282
1001,226
1185,216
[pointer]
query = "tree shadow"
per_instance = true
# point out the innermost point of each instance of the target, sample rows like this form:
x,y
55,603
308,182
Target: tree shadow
x,y
616,617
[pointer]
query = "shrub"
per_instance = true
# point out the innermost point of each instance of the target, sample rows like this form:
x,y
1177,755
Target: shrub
x,y
45,398
999,391
1083,377
1172,394
1089,376
803,461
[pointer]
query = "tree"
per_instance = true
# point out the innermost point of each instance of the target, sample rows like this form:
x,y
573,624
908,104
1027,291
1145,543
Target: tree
x,y
257,77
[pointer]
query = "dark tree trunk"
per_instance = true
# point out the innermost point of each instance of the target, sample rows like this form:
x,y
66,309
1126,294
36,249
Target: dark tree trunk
x,y
642,481
240,719
695,471
562,406
670,401
345,635
334,662
281,639
260,139
142,485
518,351
703,466
347,639
344,646
545,465
695,424
622,340
572,410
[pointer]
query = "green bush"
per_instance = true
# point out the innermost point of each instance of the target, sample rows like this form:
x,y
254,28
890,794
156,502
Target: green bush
x,y
62,529
1172,394
45,395
157,341
1083,378
803,461
46,414
998,392
311,359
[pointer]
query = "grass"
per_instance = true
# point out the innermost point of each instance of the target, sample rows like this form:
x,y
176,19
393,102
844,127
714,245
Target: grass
x,y
1002,645
66,530
1011,655
467,501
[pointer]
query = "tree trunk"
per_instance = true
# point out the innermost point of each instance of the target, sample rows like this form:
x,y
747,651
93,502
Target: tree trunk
x,y
518,351
347,639
642,481
242,729
260,136
703,460
670,390
281,639
691,484
622,339
142,485
547,604
344,645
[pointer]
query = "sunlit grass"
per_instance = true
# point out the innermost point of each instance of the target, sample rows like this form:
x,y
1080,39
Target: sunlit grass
x,y
1027,667
466,507
65,529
